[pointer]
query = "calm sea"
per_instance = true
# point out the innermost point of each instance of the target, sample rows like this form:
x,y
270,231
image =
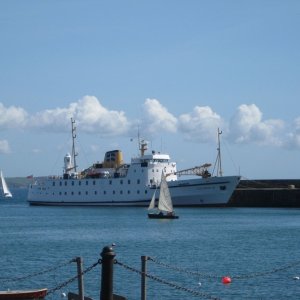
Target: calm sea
x,y
258,248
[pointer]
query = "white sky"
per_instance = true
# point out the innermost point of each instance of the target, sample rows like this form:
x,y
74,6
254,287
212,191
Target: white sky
x,y
175,70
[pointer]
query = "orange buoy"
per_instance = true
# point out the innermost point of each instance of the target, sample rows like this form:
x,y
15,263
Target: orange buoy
x,y
226,280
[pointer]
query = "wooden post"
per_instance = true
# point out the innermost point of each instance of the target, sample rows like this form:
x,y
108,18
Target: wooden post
x,y
143,278
79,262
107,255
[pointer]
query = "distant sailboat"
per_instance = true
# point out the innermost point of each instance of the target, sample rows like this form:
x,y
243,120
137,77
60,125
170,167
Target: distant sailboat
x,y
6,191
165,205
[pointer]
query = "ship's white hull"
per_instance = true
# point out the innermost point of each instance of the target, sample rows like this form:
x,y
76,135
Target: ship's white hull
x,y
211,191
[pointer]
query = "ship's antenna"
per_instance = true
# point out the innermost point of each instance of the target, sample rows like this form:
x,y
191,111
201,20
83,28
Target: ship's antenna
x,y
74,154
219,167
139,142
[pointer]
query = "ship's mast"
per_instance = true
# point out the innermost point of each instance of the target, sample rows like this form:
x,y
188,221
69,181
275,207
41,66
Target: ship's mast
x,y
219,161
143,147
142,144
74,154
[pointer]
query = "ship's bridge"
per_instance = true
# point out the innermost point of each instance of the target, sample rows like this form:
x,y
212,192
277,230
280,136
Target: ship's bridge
x,y
152,165
157,158
152,158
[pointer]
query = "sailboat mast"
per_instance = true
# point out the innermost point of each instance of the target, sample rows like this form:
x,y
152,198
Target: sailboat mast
x,y
219,168
74,154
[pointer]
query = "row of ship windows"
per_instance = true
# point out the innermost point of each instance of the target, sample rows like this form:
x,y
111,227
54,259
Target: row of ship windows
x,y
80,182
96,192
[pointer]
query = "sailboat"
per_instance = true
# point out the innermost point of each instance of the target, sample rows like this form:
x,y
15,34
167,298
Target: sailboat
x,y
6,191
165,205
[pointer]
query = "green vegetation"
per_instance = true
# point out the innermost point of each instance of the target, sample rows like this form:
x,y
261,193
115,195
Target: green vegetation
x,y
18,181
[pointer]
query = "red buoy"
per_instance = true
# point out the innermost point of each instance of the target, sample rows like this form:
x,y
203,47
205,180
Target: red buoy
x,y
226,280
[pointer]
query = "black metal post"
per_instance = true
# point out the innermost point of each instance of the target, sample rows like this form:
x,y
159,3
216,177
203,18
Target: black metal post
x,y
79,262
107,255
143,278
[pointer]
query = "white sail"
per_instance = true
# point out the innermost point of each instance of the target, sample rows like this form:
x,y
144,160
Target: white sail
x,y
6,191
165,201
152,203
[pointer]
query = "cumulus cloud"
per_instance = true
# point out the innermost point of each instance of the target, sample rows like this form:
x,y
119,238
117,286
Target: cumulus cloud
x,y
12,117
201,124
158,117
4,147
89,114
57,119
293,137
247,126
93,117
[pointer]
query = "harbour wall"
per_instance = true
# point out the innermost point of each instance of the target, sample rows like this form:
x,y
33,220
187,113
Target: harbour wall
x,y
267,193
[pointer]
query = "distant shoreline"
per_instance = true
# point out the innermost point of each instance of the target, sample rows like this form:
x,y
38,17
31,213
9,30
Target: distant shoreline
x,y
18,182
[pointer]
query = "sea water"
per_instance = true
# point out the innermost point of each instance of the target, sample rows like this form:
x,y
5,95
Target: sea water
x,y
259,248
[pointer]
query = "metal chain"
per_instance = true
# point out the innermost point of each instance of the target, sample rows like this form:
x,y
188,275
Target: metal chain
x,y
241,276
4,280
171,284
275,270
202,275
60,286
67,282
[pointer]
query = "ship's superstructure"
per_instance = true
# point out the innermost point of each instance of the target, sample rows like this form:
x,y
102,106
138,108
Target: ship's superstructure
x,y
115,183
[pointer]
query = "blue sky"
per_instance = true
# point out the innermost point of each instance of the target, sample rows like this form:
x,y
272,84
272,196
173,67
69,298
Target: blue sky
x,y
174,70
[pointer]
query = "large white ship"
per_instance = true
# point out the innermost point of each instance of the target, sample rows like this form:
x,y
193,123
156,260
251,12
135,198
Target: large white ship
x,y
115,183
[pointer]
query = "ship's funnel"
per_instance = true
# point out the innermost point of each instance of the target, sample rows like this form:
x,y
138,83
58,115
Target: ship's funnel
x,y
113,159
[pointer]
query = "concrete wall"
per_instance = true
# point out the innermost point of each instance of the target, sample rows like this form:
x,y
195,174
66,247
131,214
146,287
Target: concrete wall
x,y
266,193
